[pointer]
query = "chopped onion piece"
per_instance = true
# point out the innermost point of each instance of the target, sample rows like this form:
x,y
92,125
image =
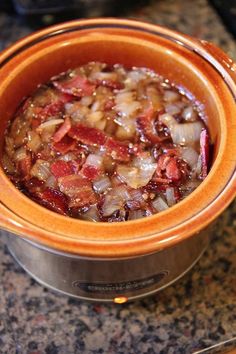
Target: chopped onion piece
x,y
198,169
96,106
136,177
123,134
7,164
136,195
86,100
102,185
9,146
154,97
111,204
126,104
41,170
127,127
76,111
136,214
186,133
189,155
94,160
20,154
91,214
140,174
51,182
172,109
168,120
68,157
34,141
171,96
122,192
47,133
133,77
115,200
144,162
159,204
94,117
128,108
101,124
49,123
170,196
111,76
130,175
189,114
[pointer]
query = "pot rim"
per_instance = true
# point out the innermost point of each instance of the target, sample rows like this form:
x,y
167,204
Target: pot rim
x,y
128,238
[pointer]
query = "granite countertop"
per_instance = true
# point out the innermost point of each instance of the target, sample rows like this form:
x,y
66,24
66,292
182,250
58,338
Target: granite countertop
x,y
197,312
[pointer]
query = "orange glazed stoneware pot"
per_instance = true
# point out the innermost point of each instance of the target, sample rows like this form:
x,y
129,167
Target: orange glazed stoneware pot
x,y
127,260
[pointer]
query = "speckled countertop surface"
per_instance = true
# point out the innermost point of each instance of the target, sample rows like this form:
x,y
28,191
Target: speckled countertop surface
x,y
196,313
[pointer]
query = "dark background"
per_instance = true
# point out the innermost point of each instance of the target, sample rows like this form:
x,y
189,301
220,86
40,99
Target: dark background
x,y
38,13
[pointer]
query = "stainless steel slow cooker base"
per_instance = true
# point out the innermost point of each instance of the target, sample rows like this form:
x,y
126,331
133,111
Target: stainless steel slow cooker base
x,y
107,280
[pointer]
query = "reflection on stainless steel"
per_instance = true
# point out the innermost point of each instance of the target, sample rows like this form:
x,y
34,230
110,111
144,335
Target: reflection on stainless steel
x,y
102,279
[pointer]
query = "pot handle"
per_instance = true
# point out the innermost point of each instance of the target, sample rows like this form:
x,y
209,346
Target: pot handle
x,y
219,55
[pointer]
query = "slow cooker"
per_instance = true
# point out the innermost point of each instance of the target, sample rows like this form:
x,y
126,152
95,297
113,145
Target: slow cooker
x,y
117,262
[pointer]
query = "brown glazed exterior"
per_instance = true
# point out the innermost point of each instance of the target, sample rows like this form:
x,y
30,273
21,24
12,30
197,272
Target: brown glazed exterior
x,y
198,66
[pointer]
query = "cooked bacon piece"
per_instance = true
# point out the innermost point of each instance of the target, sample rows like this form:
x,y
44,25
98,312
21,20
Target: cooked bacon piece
x,y
147,131
114,85
79,190
172,170
35,123
65,97
77,86
90,172
163,161
118,150
177,194
40,114
184,168
146,128
170,151
51,109
34,185
62,131
86,197
166,149
61,168
109,104
204,152
24,166
65,145
73,184
87,135
157,185
78,163
167,168
52,199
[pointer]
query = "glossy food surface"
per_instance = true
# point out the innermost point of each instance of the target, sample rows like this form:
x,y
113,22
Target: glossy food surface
x,y
107,143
